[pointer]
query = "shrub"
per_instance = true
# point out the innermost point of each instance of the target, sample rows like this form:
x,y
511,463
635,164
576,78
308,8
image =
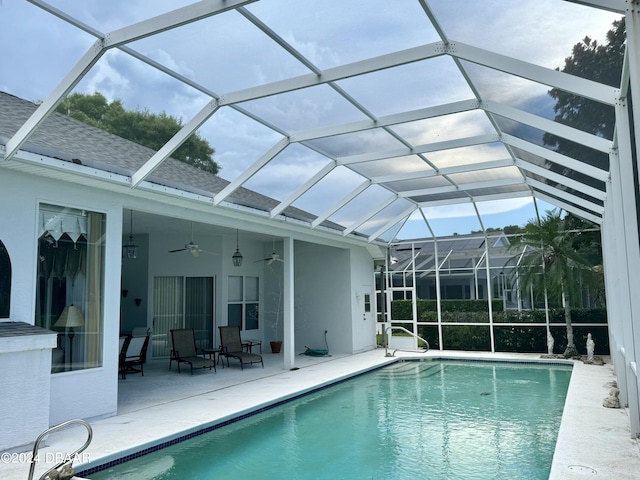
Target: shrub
x,y
427,309
525,339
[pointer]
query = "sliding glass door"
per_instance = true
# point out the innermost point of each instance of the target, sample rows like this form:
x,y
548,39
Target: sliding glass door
x,y
198,309
182,302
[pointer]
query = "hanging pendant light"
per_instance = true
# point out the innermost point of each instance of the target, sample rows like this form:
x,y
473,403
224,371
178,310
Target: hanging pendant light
x,y
130,249
237,257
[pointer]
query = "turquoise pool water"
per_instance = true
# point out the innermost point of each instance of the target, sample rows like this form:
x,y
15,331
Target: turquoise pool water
x,y
427,420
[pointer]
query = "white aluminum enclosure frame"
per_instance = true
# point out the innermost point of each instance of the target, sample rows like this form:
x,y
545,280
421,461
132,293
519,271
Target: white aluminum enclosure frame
x,y
604,195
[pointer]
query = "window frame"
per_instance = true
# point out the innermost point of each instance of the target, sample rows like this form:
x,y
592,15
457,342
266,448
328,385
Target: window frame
x,y
241,304
71,252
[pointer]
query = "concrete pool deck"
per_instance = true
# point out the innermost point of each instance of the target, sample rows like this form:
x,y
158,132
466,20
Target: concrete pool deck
x,y
593,441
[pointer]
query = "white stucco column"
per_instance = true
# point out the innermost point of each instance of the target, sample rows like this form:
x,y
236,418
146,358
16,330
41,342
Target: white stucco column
x,y
289,323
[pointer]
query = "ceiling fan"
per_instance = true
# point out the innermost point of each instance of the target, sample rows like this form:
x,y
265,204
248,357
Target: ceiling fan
x,y
192,247
274,257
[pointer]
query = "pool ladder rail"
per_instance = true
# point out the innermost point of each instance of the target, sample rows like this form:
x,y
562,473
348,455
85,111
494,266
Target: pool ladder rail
x,y
393,354
70,456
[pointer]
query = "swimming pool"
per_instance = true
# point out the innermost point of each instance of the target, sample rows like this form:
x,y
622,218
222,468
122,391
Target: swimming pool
x,y
431,419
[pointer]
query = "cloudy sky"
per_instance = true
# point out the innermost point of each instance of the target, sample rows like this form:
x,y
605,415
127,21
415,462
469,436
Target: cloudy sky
x,y
226,54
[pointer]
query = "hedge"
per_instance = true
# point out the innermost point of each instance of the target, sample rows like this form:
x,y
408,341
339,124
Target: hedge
x,y
507,338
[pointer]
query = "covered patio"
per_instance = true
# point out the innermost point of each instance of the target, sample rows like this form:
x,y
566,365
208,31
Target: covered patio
x,y
159,385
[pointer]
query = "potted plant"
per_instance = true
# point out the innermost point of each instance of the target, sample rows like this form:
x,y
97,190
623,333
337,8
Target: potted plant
x,y
276,346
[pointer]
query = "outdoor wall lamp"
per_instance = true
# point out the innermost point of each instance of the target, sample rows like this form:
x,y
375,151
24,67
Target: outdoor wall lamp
x,y
237,256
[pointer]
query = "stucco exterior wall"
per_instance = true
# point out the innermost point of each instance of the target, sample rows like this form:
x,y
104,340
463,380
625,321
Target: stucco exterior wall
x,y
362,284
83,393
322,296
329,284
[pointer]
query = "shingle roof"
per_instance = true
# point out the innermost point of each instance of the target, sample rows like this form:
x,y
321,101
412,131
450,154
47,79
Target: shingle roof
x,y
70,140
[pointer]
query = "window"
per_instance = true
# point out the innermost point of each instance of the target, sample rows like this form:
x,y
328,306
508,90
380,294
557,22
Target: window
x,y
244,306
5,281
70,284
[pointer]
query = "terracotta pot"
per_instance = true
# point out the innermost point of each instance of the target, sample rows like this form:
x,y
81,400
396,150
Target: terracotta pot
x,y
275,346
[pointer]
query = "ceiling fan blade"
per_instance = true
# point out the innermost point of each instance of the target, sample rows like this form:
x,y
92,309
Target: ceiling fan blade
x,y
178,250
274,257
268,259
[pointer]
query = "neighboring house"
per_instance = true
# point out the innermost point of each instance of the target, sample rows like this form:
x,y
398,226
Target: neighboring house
x,y
460,265
67,212
462,262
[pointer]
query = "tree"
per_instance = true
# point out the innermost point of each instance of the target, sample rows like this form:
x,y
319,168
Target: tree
x,y
148,129
552,264
601,63
587,241
511,229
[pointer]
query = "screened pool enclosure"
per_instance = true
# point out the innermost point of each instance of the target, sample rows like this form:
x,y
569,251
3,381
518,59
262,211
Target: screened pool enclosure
x,y
419,277
368,121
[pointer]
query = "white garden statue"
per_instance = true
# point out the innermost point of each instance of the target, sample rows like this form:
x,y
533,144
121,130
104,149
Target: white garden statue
x,y
591,345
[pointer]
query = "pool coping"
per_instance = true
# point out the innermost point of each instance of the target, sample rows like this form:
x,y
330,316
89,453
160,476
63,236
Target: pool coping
x,y
603,443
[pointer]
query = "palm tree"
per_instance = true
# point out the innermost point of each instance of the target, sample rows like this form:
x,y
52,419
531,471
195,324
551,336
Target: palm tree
x,y
550,263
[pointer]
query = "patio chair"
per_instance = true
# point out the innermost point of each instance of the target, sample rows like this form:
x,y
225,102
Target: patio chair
x,y
231,345
122,351
134,356
140,331
185,350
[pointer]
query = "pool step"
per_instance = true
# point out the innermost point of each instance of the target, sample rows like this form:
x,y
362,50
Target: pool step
x,y
402,370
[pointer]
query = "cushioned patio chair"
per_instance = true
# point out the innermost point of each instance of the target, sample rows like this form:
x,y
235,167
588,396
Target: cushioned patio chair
x,y
134,356
231,345
122,352
184,350
140,331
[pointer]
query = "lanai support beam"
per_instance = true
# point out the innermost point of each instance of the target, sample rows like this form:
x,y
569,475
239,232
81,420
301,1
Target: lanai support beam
x,y
80,69
174,143
546,76
337,206
251,171
288,302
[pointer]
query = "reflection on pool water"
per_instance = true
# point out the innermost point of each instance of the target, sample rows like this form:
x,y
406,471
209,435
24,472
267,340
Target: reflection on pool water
x,y
432,419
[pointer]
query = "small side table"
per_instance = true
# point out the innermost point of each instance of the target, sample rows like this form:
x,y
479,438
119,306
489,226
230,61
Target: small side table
x,y
249,344
212,355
